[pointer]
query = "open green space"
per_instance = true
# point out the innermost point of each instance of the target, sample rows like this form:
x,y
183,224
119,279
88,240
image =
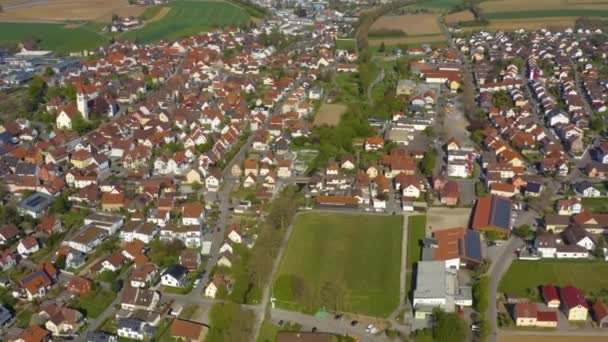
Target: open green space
x,y
346,44
55,37
95,302
341,262
268,332
595,205
524,277
439,4
416,231
548,13
190,17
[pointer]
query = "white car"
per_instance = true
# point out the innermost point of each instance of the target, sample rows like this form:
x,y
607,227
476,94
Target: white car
x,y
197,282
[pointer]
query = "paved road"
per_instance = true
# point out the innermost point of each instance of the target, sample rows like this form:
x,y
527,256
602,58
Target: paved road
x,y
267,288
342,326
496,271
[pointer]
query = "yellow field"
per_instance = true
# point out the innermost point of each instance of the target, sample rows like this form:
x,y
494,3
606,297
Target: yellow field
x,y
408,40
457,17
527,5
549,338
529,24
412,24
329,114
62,10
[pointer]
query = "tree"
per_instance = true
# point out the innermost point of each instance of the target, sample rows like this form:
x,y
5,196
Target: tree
x,y
382,47
49,72
449,327
427,164
480,295
60,262
525,232
61,205
599,247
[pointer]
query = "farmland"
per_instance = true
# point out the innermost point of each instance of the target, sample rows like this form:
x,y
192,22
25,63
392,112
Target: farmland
x,y
52,36
410,24
524,277
530,24
410,41
64,10
539,6
329,114
548,13
346,262
190,17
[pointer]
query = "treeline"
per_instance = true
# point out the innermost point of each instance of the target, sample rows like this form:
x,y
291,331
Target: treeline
x,y
387,33
473,7
367,19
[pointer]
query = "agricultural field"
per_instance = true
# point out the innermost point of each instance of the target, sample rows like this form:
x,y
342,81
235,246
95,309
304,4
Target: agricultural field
x,y
67,10
51,36
551,23
410,24
505,337
329,114
524,277
190,17
346,44
546,6
455,18
339,261
409,41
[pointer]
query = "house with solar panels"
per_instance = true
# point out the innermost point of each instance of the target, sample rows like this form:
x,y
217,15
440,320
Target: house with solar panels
x,y
493,213
458,247
35,205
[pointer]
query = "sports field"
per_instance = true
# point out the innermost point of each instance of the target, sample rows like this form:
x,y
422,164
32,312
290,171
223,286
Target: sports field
x,y
348,262
56,37
525,276
190,17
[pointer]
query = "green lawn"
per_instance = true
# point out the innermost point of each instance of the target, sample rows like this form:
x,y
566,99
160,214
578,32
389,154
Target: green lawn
x,y
190,17
524,277
343,262
416,232
268,332
54,37
595,205
346,44
548,13
95,303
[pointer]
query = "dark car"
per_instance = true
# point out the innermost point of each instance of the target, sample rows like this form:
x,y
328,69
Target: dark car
x,y
353,323
314,329
281,322
337,316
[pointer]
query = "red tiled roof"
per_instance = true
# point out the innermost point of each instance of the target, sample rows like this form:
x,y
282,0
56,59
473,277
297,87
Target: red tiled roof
x,y
573,297
546,316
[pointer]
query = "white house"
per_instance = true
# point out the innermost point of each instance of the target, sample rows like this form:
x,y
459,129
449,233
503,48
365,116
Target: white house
x,y
411,191
234,236
174,276
226,248
134,329
28,246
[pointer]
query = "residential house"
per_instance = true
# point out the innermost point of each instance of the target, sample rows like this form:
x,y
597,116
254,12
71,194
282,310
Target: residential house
x,y
525,314
493,213
188,331
574,303
190,259
28,246
61,320
216,283
551,297
600,314
134,329
193,214
135,298
191,236
79,285
8,233
174,276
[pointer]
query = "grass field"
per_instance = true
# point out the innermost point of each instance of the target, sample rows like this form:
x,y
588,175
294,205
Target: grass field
x,y
541,5
410,41
416,232
353,260
329,114
596,205
523,277
95,303
346,44
190,17
56,37
528,23
551,338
